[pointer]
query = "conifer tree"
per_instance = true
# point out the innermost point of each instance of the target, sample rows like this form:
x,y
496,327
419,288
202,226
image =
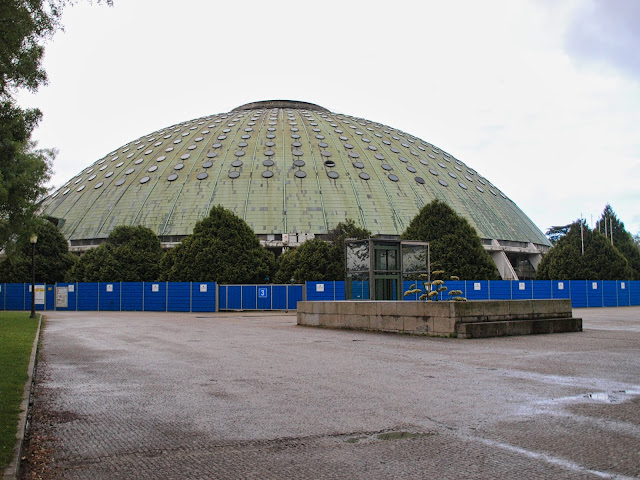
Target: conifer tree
x,y
613,229
600,261
455,245
130,254
222,248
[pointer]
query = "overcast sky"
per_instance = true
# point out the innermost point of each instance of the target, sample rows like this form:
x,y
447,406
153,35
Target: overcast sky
x,y
542,97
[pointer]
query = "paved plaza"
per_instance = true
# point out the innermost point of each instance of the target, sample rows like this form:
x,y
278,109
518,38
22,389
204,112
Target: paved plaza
x,y
253,395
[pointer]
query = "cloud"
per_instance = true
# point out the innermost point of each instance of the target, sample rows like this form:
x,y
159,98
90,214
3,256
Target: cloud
x,y
606,32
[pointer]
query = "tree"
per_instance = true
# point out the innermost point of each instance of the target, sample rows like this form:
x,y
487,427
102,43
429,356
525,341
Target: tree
x,y
600,261
614,230
130,254
317,259
455,246
311,261
25,25
52,257
222,248
337,237
555,233
23,171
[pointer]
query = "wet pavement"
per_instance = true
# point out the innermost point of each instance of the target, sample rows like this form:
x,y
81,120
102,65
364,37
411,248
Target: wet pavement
x,y
253,395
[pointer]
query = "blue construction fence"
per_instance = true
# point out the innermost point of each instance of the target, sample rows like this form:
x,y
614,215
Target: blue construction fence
x,y
583,293
212,297
150,296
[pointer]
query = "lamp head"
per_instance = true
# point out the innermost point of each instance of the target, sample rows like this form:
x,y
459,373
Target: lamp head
x,y
33,238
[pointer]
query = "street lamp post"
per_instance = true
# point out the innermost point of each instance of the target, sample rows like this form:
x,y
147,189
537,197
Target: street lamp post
x,y
33,240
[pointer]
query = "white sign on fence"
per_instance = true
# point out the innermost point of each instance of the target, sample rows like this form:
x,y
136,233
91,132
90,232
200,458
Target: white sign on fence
x,y
155,287
203,287
39,297
594,285
109,287
560,285
622,286
71,288
521,286
319,287
476,286
262,292
62,297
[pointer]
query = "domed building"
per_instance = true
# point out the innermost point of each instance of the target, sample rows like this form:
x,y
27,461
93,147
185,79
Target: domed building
x,y
293,171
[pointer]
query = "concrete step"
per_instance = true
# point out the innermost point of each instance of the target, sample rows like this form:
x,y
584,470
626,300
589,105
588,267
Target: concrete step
x,y
518,327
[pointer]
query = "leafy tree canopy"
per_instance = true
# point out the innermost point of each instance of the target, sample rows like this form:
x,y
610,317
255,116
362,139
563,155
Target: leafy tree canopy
x,y
610,226
130,254
25,25
52,257
316,259
455,246
23,171
222,248
601,260
311,261
555,233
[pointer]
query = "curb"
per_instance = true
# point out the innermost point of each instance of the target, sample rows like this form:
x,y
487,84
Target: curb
x,y
13,470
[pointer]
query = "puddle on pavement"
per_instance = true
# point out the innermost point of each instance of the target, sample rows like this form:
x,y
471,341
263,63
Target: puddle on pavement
x,y
602,397
397,435
613,397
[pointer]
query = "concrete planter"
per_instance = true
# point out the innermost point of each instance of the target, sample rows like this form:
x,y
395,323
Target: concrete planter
x,y
474,319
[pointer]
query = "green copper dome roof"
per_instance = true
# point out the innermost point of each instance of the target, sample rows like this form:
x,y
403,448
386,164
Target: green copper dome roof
x,y
285,167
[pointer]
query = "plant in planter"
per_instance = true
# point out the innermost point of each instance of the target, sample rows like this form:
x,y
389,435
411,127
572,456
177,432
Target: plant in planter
x,y
431,289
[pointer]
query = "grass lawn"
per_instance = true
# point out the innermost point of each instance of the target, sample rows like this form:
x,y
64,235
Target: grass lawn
x,y
17,332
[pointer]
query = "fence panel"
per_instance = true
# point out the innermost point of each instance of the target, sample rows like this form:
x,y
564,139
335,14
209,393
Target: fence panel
x,y
40,287
561,289
155,296
249,297
71,296
3,295
521,290
454,285
622,293
406,285
279,297
179,297
609,293
132,297
233,297
322,291
477,290
360,289
501,289
634,292
15,299
109,297
578,290
542,289
295,295
87,296
264,297
203,297
594,293
223,297
49,297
